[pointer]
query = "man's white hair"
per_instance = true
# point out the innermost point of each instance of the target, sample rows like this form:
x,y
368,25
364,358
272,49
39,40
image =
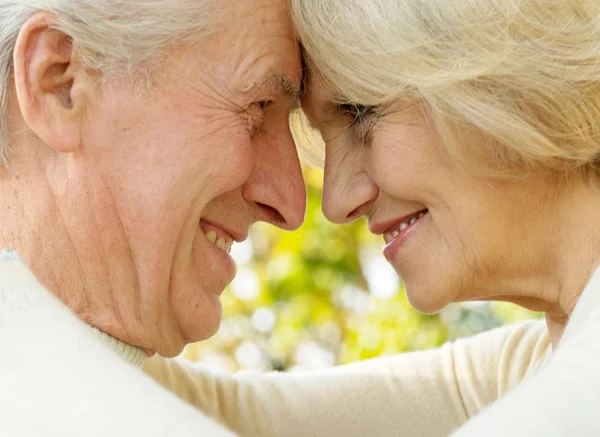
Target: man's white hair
x,y
112,36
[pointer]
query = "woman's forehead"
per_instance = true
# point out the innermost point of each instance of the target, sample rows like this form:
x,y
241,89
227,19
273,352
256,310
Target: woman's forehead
x,y
317,97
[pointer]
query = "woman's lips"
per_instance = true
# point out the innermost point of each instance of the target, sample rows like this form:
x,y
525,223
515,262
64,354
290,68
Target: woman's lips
x,y
396,236
402,226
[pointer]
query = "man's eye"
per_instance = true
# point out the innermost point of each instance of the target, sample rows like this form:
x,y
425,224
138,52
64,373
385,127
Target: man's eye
x,y
263,104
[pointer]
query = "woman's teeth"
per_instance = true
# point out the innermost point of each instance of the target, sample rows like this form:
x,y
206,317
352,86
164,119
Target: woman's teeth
x,y
390,235
222,242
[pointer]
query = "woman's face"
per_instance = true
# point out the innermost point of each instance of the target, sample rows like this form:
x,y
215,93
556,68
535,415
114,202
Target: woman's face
x,y
451,236
177,174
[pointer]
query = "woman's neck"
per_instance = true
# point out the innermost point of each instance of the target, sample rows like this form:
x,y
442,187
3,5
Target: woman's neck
x,y
564,254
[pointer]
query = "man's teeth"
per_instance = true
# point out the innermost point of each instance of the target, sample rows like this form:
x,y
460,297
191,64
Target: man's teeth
x,y
222,243
389,236
212,237
225,244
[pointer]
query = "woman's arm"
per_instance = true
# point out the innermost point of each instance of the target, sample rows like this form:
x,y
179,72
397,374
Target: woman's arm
x,y
428,393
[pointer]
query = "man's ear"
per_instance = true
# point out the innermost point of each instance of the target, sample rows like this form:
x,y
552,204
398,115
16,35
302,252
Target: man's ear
x,y
50,83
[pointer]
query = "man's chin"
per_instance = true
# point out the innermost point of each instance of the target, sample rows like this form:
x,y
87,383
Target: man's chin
x,y
175,345
201,324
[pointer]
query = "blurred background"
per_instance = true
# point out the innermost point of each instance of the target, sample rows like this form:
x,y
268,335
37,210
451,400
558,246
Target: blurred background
x,y
323,296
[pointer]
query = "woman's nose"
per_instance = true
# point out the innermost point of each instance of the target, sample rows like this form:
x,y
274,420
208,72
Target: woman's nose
x,y
348,192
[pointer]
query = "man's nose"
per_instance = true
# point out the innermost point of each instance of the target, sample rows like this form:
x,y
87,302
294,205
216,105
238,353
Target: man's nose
x,y
348,191
277,185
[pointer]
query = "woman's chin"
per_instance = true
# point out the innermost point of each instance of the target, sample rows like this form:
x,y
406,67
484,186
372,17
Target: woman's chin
x,y
426,299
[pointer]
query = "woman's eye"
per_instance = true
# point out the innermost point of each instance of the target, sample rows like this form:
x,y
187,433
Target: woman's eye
x,y
357,111
362,122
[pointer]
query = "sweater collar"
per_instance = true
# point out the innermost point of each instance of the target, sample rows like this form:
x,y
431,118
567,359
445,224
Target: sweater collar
x,y
587,305
129,353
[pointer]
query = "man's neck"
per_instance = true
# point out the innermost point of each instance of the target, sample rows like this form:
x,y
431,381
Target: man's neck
x,y
52,236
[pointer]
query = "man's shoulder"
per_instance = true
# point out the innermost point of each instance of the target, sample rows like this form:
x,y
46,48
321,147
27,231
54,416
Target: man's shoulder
x,y
20,291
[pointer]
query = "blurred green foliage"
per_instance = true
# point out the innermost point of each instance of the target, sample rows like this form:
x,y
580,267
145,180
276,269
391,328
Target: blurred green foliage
x,y
324,295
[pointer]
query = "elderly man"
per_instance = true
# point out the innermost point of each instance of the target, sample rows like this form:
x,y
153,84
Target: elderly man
x,y
141,139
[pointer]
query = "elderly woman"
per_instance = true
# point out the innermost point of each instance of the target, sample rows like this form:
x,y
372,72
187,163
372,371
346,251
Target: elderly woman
x,y
467,134
141,139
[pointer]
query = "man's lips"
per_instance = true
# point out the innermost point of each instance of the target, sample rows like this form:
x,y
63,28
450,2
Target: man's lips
x,y
218,236
235,235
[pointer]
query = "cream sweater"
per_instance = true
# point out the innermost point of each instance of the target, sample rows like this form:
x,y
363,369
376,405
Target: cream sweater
x,y
503,383
426,394
58,378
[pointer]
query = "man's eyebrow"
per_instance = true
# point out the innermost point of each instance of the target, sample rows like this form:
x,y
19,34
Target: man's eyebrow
x,y
280,82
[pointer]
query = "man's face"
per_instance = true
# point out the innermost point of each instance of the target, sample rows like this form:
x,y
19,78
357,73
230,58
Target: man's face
x,y
177,174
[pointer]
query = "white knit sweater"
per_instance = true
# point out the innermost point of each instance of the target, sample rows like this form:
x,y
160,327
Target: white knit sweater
x,y
57,378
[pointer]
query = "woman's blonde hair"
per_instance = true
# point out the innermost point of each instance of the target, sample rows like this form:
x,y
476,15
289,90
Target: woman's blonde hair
x,y
112,36
510,84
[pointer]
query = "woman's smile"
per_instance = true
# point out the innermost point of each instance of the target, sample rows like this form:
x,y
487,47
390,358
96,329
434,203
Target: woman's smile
x,y
398,235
